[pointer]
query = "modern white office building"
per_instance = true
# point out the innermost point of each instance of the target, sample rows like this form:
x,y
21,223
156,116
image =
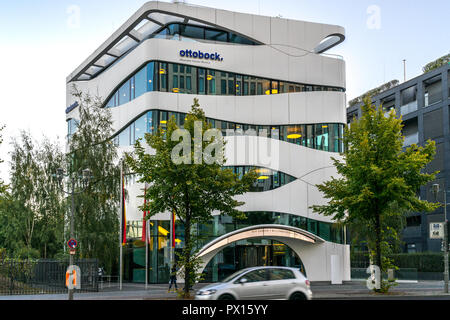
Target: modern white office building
x,y
267,74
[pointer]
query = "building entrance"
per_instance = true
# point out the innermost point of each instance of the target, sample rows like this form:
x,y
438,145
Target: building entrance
x,y
250,253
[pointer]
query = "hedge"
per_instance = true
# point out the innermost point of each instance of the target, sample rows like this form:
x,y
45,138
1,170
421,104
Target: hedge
x,y
422,261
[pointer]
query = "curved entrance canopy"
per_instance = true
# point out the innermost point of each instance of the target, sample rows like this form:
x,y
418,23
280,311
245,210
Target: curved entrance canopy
x,y
260,231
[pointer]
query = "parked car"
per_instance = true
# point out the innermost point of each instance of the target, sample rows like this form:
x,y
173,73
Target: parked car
x,y
259,283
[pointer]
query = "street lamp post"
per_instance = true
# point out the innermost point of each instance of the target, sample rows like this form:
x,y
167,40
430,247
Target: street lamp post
x,y
85,177
445,240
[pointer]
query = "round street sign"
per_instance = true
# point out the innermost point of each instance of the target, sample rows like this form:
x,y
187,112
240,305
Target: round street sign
x,y
72,243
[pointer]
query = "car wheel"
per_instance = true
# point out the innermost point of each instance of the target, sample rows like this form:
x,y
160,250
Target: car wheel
x,y
297,296
226,297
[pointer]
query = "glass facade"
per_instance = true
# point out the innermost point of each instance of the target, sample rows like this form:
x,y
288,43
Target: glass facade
x,y
324,136
72,126
267,179
180,78
182,31
237,255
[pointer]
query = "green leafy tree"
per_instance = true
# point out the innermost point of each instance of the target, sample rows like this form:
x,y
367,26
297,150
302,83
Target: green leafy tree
x,y
2,184
192,189
96,209
378,181
34,205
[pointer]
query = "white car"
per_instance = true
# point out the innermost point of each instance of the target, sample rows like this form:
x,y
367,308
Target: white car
x,y
259,283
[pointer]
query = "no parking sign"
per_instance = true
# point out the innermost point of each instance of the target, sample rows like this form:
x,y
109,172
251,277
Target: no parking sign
x,y
72,243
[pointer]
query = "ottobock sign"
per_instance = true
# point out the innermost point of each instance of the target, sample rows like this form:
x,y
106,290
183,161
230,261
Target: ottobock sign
x,y
437,230
197,54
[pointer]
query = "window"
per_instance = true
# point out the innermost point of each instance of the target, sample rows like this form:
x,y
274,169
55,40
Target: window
x,y
284,87
151,121
216,35
223,82
72,126
325,230
163,71
124,137
295,134
175,30
234,38
280,274
140,82
321,134
211,80
178,78
152,71
192,32
255,276
408,100
312,226
201,81
140,128
432,90
388,104
124,93
414,221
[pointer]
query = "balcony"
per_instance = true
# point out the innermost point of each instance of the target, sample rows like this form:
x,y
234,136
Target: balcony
x,y
408,108
411,139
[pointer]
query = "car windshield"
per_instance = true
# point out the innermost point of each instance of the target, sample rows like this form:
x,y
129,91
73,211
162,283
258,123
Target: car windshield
x,y
234,275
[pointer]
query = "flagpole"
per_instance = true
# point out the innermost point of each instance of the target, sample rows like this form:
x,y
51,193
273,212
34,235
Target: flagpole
x,y
146,254
146,243
171,241
121,226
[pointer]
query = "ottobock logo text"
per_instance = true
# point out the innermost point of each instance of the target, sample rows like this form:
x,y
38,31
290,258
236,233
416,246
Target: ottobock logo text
x,y
201,55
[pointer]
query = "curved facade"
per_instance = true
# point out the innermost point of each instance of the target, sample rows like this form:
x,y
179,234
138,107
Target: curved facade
x,y
267,84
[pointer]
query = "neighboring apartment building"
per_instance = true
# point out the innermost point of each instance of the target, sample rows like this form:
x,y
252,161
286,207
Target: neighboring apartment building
x,y
423,103
249,72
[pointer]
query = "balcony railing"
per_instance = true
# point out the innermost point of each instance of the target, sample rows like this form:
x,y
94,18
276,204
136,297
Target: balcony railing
x,y
408,108
411,139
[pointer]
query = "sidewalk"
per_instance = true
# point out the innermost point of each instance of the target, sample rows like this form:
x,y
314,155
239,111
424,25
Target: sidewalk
x,y
403,290
354,290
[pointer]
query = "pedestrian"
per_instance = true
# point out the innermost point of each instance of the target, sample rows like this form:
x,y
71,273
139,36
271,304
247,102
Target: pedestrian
x,y
173,278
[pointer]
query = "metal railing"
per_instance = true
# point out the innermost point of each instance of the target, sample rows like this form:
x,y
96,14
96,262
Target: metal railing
x,y
28,277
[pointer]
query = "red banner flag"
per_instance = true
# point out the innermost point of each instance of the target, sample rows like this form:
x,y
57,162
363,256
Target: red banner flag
x,y
124,215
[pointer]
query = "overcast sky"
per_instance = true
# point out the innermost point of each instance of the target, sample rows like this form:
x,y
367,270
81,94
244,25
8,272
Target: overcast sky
x,y
43,41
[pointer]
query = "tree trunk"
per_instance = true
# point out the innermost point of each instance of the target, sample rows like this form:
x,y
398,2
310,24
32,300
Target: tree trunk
x,y
378,260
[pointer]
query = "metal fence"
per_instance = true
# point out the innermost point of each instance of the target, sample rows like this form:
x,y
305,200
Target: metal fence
x,y
27,277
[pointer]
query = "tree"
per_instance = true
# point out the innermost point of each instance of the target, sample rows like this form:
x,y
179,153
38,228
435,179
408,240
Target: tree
x,y
34,205
378,181
2,184
193,191
96,209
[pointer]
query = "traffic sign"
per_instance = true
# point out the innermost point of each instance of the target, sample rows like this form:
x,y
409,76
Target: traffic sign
x,y
436,230
72,243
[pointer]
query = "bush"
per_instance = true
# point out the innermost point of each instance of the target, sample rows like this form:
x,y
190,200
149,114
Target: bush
x,y
422,261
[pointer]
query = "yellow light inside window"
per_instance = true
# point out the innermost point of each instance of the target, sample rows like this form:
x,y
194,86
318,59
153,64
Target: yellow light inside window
x,y
274,91
209,77
177,240
176,90
162,71
163,231
263,178
324,127
163,121
294,136
268,92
